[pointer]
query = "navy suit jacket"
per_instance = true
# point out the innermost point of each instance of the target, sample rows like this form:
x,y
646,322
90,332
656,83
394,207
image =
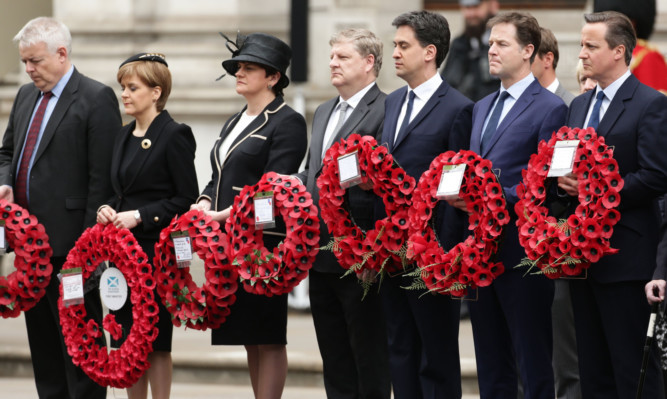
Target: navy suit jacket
x,y
635,124
534,117
443,124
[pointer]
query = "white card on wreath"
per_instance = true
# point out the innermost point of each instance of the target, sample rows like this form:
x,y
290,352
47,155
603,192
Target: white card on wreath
x,y
348,169
562,159
450,181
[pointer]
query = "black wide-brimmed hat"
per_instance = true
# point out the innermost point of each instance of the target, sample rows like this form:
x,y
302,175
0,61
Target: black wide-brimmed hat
x,y
259,48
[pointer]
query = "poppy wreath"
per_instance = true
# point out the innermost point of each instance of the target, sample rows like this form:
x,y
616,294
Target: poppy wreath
x,y
469,263
276,272
355,249
567,247
24,287
122,367
191,306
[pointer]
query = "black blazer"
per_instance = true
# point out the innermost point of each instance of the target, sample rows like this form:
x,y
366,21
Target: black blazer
x,y
70,174
275,141
366,119
635,125
163,180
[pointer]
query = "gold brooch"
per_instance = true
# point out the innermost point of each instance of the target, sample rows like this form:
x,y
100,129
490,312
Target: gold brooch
x,y
145,144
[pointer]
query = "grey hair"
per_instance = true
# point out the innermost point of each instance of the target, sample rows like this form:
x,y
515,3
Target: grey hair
x,y
364,41
45,30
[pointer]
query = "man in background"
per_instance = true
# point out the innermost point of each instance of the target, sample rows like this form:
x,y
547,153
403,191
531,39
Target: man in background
x,y
467,68
544,66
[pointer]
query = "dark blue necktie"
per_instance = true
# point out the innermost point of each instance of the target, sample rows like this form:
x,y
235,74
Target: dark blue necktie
x,y
406,118
594,121
493,121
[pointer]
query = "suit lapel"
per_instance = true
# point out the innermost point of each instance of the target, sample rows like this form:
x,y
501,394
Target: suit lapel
x,y
393,110
519,107
617,105
320,128
478,124
24,112
67,97
430,104
255,125
153,134
117,152
577,115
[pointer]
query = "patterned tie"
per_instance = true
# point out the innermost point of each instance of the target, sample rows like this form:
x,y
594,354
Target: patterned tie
x,y
493,121
594,121
20,186
406,118
342,109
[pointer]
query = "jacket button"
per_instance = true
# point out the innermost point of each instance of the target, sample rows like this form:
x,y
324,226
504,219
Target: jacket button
x,y
156,219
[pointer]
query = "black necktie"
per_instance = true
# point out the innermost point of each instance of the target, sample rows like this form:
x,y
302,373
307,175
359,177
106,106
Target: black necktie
x,y
493,121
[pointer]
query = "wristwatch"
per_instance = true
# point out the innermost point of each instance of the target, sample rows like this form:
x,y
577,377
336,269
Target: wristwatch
x,y
137,216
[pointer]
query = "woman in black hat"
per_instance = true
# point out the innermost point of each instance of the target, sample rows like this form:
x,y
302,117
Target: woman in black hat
x,y
265,136
153,178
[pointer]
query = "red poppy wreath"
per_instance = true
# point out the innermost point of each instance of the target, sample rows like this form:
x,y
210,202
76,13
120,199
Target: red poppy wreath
x,y
568,247
355,249
468,264
24,287
276,272
196,307
121,367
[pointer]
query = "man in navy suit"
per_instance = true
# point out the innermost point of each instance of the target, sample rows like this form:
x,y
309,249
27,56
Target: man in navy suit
x,y
610,309
421,121
511,318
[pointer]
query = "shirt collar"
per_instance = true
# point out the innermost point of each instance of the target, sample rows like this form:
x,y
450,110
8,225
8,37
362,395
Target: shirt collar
x,y
356,98
60,86
425,90
553,86
517,89
611,90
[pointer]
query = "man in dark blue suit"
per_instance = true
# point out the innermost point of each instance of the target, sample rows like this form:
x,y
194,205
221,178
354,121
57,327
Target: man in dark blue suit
x,y
511,318
421,121
610,309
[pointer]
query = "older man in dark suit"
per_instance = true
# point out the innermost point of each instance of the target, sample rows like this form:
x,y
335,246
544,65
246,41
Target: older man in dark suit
x,y
610,309
511,318
54,161
350,331
423,120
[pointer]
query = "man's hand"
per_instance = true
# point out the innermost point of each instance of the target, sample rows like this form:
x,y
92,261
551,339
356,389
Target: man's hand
x,y
655,291
7,193
368,276
569,184
459,203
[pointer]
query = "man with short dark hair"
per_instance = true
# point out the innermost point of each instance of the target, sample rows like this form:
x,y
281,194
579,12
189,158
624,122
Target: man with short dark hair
x,y
544,66
467,67
511,318
610,309
422,120
55,161
350,329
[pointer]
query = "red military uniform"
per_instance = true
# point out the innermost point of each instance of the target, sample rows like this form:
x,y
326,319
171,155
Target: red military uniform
x,y
649,66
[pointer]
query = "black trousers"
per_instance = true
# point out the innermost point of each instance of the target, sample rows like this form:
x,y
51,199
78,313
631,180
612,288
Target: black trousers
x,y
56,377
351,337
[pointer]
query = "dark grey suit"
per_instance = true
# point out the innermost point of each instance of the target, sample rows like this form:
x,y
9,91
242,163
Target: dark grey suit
x,y
564,94
69,180
350,332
